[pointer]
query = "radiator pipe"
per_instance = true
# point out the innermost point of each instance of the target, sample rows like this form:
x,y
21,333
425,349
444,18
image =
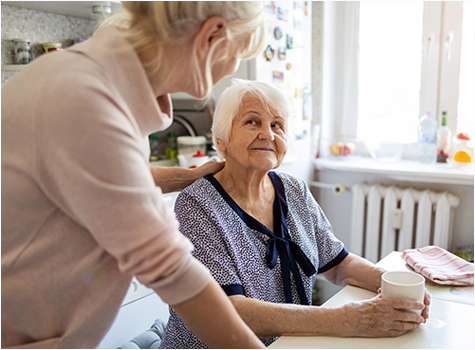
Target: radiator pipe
x,y
337,189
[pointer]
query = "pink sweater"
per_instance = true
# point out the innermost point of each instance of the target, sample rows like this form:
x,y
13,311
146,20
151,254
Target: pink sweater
x,y
81,214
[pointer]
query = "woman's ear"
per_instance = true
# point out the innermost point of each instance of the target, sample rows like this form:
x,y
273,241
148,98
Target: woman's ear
x,y
220,145
212,30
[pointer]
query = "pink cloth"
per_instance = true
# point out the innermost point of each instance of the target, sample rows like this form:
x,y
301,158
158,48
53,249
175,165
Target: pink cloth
x,y
440,266
81,213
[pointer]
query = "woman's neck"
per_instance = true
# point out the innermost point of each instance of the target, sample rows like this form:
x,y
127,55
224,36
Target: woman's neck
x,y
174,74
245,185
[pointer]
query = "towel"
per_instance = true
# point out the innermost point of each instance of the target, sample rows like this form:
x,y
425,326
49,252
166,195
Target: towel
x,y
440,266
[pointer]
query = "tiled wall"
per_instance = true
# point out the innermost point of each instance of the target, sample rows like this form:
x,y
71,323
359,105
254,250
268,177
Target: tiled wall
x,y
39,27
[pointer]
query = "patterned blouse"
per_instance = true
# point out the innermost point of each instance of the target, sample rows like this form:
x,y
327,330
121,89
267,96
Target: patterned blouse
x,y
237,250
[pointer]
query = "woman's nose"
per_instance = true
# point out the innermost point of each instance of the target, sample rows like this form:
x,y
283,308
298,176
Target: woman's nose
x,y
266,133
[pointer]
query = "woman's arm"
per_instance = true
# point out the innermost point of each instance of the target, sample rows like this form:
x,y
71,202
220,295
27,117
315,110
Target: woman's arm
x,y
171,179
356,271
213,319
375,317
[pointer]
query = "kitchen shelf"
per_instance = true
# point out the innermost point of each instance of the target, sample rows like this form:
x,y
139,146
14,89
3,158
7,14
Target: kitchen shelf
x,y
80,9
404,170
13,67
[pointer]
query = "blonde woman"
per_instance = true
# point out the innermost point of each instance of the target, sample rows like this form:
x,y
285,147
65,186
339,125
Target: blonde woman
x,y
81,210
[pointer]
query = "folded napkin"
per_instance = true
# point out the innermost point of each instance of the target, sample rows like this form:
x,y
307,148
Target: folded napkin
x,y
440,266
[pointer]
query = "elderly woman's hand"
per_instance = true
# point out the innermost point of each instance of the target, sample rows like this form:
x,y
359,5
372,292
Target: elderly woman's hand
x,y
378,317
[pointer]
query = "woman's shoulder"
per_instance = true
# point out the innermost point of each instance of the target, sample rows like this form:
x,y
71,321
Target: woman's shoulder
x,y
291,182
200,190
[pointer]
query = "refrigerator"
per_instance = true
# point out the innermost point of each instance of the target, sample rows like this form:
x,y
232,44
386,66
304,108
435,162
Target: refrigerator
x,y
286,63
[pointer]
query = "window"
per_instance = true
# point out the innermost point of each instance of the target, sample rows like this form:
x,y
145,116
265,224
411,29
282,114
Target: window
x,y
385,63
466,104
390,57
414,57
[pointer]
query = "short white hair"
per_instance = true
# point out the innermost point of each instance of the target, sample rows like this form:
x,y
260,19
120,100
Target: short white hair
x,y
230,102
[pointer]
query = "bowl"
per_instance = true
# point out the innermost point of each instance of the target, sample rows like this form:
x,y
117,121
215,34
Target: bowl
x,y
385,152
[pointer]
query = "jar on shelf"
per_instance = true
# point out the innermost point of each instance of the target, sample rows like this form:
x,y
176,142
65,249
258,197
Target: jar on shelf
x,y
22,51
49,45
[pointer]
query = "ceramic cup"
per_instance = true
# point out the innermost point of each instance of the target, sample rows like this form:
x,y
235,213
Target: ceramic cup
x,y
403,284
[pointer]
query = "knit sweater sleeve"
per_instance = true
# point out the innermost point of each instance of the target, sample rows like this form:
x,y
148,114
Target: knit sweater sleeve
x,y
91,161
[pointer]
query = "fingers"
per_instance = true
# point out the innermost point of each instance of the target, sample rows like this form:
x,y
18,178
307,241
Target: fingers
x,y
425,313
399,326
427,298
407,304
408,317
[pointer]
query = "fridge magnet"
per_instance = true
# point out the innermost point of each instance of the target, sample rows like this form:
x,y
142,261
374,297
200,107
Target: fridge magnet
x,y
299,5
282,53
269,27
297,23
305,8
277,76
282,14
288,66
269,53
269,7
289,41
277,33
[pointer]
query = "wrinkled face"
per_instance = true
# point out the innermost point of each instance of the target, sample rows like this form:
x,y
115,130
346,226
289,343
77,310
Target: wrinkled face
x,y
258,139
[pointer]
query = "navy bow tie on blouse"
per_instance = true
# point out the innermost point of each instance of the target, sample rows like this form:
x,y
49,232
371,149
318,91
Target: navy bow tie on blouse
x,y
281,244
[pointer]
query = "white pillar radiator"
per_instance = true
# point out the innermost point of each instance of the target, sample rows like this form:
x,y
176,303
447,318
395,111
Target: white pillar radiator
x,y
390,218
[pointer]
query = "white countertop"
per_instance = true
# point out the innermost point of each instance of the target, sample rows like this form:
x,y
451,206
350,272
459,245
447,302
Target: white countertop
x,y
451,325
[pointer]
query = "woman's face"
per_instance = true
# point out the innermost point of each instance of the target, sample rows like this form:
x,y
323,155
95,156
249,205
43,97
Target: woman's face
x,y
258,139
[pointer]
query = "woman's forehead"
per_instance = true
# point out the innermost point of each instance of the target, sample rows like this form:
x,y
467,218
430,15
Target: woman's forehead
x,y
250,102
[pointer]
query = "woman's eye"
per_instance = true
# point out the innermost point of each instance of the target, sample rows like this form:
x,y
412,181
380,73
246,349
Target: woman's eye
x,y
251,122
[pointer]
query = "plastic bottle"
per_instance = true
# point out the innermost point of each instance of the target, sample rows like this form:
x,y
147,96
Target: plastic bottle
x,y
427,139
171,150
154,147
443,140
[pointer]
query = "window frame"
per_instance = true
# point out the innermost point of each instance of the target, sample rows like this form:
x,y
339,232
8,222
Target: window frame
x,y
439,76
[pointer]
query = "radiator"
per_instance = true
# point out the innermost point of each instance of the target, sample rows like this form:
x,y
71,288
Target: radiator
x,y
385,219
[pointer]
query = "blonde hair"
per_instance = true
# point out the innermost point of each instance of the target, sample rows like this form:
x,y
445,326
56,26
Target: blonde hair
x,y
148,24
230,102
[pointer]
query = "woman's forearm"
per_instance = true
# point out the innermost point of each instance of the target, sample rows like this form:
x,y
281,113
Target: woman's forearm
x,y
270,320
376,317
171,179
356,271
212,318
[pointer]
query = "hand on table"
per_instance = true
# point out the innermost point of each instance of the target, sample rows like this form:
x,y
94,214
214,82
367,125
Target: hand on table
x,y
425,312
378,317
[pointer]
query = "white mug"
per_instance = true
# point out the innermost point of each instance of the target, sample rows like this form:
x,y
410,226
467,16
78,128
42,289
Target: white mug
x,y
403,284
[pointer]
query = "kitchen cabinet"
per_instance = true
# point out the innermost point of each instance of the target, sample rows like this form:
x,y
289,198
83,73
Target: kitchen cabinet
x,y
44,21
80,9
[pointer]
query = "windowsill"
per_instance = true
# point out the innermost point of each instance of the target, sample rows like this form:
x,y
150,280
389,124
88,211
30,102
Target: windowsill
x,y
404,170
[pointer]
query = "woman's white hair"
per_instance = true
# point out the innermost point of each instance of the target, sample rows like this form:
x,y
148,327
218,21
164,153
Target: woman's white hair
x,y
230,102
147,24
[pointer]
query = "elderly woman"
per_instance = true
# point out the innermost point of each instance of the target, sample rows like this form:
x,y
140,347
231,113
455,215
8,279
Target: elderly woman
x,y
264,237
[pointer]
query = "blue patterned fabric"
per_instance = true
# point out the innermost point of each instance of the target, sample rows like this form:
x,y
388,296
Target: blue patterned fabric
x,y
234,247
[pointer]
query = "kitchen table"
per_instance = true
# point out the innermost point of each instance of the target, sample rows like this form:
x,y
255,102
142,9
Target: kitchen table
x,y
451,323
